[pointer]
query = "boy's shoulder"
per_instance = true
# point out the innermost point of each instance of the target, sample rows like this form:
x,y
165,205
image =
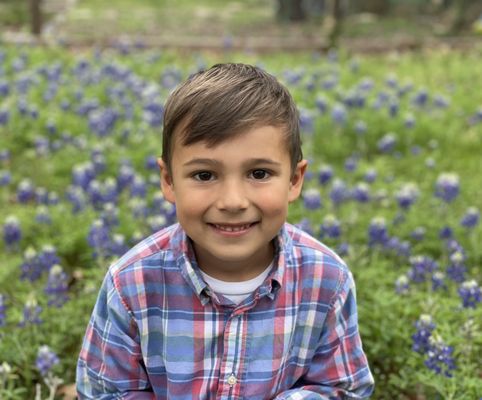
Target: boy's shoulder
x,y
165,243
311,247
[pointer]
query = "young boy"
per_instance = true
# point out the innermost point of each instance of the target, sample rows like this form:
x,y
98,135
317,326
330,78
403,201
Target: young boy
x,y
232,302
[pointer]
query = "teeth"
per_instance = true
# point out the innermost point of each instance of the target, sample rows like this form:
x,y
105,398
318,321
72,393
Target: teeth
x,y
232,228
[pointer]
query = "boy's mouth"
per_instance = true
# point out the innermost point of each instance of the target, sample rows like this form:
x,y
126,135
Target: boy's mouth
x,y
234,227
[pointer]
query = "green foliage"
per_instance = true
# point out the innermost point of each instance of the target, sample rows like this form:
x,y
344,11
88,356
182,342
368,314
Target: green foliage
x,y
446,139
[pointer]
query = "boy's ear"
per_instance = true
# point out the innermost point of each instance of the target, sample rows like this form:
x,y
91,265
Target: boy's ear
x,y
166,182
296,183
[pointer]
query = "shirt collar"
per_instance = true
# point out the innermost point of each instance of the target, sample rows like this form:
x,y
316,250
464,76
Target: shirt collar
x,y
186,261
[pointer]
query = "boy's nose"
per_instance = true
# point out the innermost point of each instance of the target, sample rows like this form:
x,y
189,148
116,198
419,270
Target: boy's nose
x,y
232,197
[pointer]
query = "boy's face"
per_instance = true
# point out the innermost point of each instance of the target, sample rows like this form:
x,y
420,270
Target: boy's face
x,y
232,199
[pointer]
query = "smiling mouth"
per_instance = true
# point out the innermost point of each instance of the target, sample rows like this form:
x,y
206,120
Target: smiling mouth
x,y
233,227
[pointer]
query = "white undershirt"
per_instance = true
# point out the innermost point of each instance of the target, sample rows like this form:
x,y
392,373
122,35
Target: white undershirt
x,y
236,291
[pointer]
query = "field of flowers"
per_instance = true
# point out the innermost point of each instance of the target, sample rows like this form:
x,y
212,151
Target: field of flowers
x,y
394,185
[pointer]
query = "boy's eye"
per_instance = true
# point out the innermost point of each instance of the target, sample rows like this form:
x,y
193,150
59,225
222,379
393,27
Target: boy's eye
x,y
259,174
203,176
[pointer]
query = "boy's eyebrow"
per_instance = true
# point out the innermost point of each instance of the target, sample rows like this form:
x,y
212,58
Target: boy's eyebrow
x,y
214,162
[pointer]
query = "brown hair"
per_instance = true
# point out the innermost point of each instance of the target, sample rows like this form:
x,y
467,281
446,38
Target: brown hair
x,y
226,100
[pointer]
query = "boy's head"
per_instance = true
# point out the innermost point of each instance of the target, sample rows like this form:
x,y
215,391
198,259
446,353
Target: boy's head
x,y
231,164
224,101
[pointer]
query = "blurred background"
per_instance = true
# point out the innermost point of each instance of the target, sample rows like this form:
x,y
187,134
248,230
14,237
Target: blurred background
x,y
372,25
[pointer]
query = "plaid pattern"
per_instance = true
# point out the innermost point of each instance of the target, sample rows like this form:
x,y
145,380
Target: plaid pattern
x,y
159,332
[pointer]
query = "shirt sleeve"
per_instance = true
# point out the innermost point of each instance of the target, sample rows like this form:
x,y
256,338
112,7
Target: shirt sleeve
x,y
110,364
339,369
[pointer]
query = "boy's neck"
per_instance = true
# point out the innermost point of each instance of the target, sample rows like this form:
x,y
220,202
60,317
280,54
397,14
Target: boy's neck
x,y
234,270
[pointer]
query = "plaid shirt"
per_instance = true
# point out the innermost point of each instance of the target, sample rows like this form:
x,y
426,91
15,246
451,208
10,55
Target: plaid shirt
x,y
159,332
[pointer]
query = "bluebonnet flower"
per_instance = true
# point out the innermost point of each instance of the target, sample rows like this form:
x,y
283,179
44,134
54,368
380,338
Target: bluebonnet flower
x,y
407,195
3,309
12,233
425,327
31,313
321,104
31,267
420,98
325,173
76,196
109,191
470,218
57,286
306,226
330,227
4,88
118,246
387,143
351,164
99,238
42,215
456,269
25,191
422,268
4,116
366,84
102,121
397,246
339,192
307,121
370,175
157,222
440,357
361,192
5,178
41,195
339,114
46,360
312,199
438,281
110,215
42,146
409,121
139,208
418,233
402,284
151,163
441,101
125,176
360,127
343,249
138,187
393,107
83,174
53,198
4,155
98,162
377,231
95,194
153,113
445,232
447,187
48,257
87,106
470,293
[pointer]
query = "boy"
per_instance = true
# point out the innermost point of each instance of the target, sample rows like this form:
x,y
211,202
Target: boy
x,y
232,302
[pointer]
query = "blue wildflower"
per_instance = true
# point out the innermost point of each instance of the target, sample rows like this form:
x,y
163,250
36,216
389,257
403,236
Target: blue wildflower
x,y
422,268
312,199
418,233
470,293
3,310
361,192
31,313
118,246
25,191
339,114
470,218
42,215
402,284
12,233
370,175
99,238
306,226
325,173
425,327
330,227
456,269
339,192
407,195
387,143
377,231
5,178
438,281
447,187
57,286
46,360
440,357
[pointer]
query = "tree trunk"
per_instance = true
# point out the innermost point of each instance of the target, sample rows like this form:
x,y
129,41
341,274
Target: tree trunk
x,y
338,18
291,10
466,13
36,17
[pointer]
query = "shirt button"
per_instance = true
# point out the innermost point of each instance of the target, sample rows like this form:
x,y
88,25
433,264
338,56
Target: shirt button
x,y
232,380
